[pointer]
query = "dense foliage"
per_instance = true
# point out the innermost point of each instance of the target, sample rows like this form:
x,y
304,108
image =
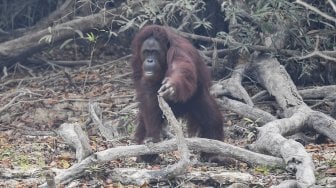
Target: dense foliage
x,y
240,24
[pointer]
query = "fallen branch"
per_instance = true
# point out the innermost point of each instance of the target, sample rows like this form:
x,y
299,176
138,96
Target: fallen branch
x,y
197,144
105,129
60,63
181,166
75,137
317,92
219,176
19,48
246,110
232,86
10,102
298,116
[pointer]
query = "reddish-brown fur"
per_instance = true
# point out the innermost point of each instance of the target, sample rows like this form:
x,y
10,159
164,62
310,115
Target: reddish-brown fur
x,y
191,79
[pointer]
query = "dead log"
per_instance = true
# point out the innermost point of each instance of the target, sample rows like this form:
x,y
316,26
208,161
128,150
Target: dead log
x,y
128,176
197,144
18,49
298,116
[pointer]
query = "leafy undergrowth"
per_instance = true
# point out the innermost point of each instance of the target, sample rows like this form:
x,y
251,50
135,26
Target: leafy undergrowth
x,y
37,98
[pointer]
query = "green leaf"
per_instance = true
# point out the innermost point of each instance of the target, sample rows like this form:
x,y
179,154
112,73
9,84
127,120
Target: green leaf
x,y
127,26
65,43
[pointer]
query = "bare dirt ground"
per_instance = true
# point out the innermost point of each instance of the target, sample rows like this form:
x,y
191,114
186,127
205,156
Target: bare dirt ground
x,y
36,99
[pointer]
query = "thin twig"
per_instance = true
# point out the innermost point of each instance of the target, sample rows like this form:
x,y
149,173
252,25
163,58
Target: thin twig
x,y
237,44
10,103
314,9
318,54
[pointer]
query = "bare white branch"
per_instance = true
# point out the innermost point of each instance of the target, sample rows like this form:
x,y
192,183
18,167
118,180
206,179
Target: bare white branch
x,y
310,7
